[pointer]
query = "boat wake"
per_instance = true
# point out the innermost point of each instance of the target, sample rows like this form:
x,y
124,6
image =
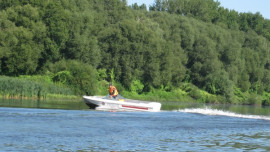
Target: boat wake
x,y
209,111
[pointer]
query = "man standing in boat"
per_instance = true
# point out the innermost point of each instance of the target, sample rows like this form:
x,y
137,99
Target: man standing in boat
x,y
113,91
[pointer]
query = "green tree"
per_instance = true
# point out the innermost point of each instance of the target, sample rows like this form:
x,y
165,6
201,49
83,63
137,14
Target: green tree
x,y
56,19
23,38
82,78
266,80
219,83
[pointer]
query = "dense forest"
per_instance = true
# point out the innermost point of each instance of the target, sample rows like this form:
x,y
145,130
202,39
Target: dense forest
x,y
83,43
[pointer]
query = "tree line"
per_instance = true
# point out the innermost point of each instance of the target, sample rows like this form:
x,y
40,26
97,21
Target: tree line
x,y
211,12
174,42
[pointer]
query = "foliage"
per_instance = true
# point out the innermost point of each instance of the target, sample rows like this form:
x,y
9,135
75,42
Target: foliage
x,y
102,75
30,88
211,11
84,44
63,77
254,99
82,78
266,99
136,86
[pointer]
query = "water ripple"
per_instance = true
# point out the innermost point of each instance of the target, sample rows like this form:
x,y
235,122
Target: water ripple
x,y
77,130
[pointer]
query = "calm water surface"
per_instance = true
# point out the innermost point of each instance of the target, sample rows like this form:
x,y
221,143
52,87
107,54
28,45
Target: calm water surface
x,y
193,129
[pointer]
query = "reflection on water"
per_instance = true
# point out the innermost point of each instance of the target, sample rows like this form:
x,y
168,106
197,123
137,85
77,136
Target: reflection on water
x,y
170,106
44,104
45,126
244,109
239,109
24,129
216,112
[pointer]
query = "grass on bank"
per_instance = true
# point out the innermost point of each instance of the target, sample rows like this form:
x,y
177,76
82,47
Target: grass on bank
x,y
43,87
37,87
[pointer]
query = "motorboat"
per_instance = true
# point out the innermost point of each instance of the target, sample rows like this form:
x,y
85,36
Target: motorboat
x,y
120,104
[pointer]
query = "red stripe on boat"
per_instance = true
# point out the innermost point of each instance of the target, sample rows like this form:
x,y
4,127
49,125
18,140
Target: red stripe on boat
x,y
142,108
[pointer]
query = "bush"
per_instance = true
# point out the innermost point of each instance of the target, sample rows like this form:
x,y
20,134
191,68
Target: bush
x,y
266,102
63,77
254,99
82,78
195,94
136,86
102,88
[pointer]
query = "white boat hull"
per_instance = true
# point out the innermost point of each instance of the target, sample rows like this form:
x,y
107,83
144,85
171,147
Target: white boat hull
x,y
101,103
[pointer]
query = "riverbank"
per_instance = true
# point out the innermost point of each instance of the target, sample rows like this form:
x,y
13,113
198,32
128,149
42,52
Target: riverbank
x,y
45,89
189,94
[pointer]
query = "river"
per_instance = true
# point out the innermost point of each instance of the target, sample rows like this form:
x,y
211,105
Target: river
x,y
37,127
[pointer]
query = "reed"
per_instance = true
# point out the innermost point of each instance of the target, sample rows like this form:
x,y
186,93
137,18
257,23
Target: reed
x,y
22,87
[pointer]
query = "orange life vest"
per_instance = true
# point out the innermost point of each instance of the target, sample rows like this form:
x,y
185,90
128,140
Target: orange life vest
x,y
113,91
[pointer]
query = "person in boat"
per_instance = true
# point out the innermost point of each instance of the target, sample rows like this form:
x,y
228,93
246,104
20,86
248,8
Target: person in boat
x,y
113,91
